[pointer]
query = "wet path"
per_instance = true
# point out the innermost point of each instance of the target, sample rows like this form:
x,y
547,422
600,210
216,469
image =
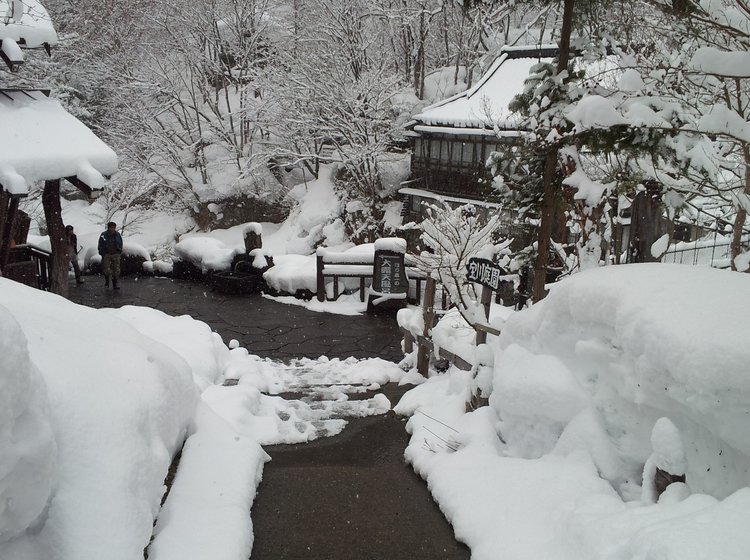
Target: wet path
x,y
263,326
350,497
345,497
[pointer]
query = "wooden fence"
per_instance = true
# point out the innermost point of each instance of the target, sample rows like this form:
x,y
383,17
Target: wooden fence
x,y
425,346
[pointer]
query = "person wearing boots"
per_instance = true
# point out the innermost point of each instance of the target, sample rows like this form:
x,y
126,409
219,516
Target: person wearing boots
x,y
72,244
110,248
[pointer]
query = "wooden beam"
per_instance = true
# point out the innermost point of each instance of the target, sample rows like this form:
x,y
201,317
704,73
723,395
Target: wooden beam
x,y
9,210
487,329
423,354
12,64
424,342
4,201
320,279
83,187
485,300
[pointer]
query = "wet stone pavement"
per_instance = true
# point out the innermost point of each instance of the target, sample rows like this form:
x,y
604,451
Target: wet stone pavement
x,y
265,327
347,497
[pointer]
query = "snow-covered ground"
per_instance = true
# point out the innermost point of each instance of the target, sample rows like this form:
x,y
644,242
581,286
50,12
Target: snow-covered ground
x,y
94,404
619,371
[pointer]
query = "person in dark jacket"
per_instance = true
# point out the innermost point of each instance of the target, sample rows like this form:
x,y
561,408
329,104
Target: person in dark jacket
x,y
71,241
110,248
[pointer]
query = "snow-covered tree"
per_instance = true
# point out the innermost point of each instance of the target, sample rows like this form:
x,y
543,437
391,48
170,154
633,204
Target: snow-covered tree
x,y
686,104
452,236
334,88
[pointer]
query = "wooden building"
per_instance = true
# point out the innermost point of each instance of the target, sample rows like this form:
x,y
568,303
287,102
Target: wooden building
x,y
453,139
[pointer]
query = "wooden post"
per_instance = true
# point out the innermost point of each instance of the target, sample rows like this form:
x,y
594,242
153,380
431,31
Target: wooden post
x,y
253,241
408,343
5,229
56,229
486,299
23,225
319,275
423,355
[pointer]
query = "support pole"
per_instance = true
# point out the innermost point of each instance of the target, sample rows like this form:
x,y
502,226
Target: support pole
x,y
56,229
486,300
423,355
321,284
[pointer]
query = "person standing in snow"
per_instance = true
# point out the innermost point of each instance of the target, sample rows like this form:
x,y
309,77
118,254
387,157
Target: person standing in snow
x,y
71,241
110,248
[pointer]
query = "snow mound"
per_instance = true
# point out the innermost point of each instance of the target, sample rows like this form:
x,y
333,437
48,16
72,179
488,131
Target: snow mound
x,y
650,341
206,253
119,406
27,446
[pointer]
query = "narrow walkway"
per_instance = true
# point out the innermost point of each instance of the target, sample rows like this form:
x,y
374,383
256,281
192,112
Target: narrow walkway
x,y
345,497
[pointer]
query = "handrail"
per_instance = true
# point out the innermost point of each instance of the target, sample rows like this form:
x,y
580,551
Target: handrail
x,y
42,262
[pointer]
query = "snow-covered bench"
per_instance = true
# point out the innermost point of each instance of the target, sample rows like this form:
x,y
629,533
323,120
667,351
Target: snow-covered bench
x,y
356,264
330,264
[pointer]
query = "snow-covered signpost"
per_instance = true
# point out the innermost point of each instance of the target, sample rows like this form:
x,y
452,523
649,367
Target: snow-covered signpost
x,y
489,275
389,283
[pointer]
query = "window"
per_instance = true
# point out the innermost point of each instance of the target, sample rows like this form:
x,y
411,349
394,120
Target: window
x,y
681,232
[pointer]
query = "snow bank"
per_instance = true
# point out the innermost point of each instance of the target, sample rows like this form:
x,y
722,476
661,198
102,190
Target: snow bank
x,y
645,342
202,349
617,368
119,406
209,506
27,446
291,273
206,253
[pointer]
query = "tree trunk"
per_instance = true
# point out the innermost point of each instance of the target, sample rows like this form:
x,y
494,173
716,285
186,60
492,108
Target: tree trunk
x,y
646,224
545,226
56,230
738,226
550,164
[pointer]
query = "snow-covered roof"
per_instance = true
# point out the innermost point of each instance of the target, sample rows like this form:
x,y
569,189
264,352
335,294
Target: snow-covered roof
x,y
25,23
485,105
41,141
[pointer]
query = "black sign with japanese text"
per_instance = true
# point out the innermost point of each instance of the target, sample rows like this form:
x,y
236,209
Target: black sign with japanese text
x,y
485,272
389,276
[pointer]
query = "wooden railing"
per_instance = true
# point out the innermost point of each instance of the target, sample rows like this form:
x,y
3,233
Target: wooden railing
x,y
424,343
334,265
29,265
